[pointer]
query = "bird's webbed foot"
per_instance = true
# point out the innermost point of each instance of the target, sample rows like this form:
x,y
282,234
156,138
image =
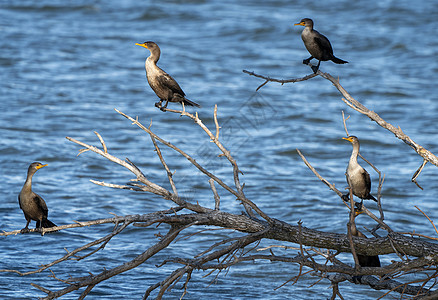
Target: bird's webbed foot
x,y
24,230
163,107
307,61
358,207
158,104
315,69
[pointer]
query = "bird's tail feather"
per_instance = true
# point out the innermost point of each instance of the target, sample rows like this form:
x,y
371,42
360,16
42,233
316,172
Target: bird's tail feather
x,y
191,103
338,60
46,223
371,197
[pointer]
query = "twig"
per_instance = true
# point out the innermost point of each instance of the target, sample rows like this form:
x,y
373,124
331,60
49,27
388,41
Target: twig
x,y
331,186
215,194
163,162
216,122
105,149
239,193
431,222
417,173
157,189
356,105
350,225
282,81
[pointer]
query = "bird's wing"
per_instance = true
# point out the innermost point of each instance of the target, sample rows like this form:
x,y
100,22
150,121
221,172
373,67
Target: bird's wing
x,y
41,204
367,179
323,42
167,81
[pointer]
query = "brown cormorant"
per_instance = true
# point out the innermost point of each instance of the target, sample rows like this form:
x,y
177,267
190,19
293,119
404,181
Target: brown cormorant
x,y
317,44
357,177
166,88
33,206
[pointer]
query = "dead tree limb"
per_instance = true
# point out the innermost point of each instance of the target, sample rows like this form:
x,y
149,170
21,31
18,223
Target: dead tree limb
x,y
247,229
356,105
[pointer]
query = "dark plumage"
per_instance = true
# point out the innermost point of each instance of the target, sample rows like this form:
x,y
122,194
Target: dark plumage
x,y
34,207
317,44
364,260
166,88
357,177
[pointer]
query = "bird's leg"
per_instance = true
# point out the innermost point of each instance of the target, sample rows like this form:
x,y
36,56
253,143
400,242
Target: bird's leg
x,y
39,224
165,105
26,229
358,207
315,68
307,61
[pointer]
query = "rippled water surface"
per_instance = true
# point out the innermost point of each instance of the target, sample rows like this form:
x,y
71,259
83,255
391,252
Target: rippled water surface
x,y
65,66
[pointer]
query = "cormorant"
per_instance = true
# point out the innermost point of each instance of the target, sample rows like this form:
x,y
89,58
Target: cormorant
x,y
317,44
357,177
364,261
166,88
33,206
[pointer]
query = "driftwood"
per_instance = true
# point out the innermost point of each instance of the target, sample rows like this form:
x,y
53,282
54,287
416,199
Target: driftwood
x,y
314,251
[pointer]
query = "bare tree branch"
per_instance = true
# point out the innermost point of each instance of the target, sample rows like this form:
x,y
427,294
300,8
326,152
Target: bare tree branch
x,y
356,105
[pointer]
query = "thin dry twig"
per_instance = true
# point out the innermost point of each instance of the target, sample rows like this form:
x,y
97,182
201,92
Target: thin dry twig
x,y
356,105
163,162
216,122
331,186
417,173
105,149
282,81
431,222
215,194
239,193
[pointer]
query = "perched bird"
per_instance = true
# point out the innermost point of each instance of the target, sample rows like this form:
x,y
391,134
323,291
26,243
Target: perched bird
x,y
357,177
166,88
317,44
33,206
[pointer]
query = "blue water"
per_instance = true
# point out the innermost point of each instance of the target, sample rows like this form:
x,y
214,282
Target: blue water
x,y
66,65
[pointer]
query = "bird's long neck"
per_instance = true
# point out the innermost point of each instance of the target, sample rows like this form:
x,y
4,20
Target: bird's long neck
x,y
353,229
28,183
154,57
354,153
356,232
309,27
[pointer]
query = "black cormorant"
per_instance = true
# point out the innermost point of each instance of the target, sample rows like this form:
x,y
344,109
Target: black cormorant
x,y
317,44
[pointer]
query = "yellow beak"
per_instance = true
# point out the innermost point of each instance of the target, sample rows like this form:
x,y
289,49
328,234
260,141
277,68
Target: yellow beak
x,y
142,45
40,166
301,23
348,139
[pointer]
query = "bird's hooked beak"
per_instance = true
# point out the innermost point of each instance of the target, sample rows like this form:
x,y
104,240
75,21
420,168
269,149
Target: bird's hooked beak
x,y
301,23
40,166
348,139
142,45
